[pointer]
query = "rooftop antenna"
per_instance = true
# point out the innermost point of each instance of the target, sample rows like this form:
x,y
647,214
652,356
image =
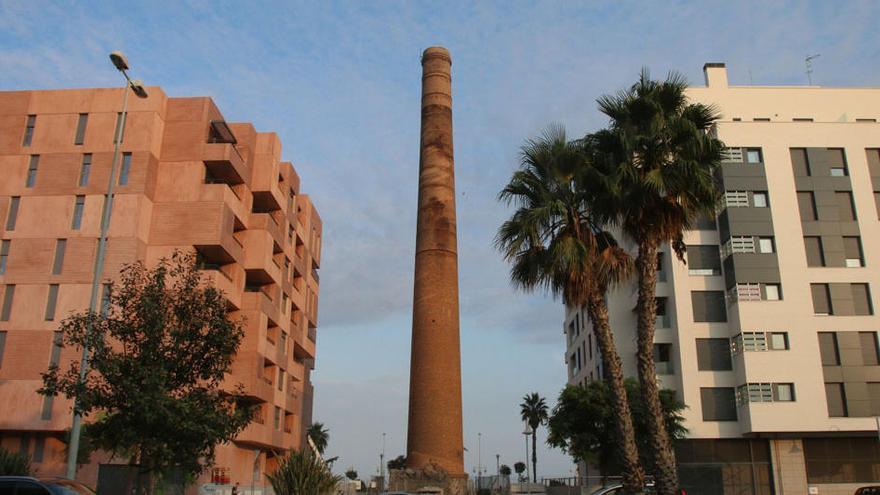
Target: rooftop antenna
x,y
808,61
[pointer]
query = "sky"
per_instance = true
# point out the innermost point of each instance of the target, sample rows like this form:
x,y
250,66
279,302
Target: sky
x,y
340,84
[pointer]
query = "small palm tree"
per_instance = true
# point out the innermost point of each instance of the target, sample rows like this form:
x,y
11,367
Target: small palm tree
x,y
320,436
665,158
302,473
533,411
554,241
14,464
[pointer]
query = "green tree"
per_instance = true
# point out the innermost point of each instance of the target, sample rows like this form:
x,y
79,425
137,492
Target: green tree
x,y
555,241
351,474
302,473
320,436
159,355
398,462
504,470
533,411
664,157
14,464
520,468
581,423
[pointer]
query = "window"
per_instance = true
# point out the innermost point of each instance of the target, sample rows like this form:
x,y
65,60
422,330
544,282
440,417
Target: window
x,y
51,301
703,260
852,250
828,350
802,119
759,199
29,130
846,210
119,132
718,403
105,299
60,249
32,171
799,162
868,343
837,172
39,448
126,168
85,169
280,379
78,207
779,341
13,213
841,460
4,256
837,162
713,355
861,296
815,253
821,299
772,292
53,361
783,392
709,306
8,297
663,359
662,319
765,245
835,396
277,417
753,155
807,206
81,128
761,119
2,346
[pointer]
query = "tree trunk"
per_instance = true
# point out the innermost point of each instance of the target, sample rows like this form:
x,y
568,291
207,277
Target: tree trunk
x,y
633,475
534,454
665,474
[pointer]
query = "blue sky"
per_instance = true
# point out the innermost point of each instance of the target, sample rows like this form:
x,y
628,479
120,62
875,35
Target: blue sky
x,y
339,82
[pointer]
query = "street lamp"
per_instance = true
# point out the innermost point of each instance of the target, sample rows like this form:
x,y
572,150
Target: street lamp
x,y
121,63
479,461
526,433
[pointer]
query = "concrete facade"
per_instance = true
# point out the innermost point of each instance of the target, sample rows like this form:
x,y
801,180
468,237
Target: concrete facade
x,y
188,181
744,336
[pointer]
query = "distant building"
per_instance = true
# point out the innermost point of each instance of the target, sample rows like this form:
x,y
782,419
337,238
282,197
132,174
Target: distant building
x,y
187,180
769,332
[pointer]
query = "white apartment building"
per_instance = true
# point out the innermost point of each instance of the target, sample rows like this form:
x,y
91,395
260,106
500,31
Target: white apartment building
x,y
769,333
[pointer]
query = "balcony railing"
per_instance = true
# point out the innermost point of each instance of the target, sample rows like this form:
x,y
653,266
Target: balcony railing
x,y
732,155
738,244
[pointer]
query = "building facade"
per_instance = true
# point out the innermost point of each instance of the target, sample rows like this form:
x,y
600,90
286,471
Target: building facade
x,y
187,180
769,332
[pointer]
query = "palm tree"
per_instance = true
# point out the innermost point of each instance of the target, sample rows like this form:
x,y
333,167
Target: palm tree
x,y
554,242
319,435
301,472
664,157
533,410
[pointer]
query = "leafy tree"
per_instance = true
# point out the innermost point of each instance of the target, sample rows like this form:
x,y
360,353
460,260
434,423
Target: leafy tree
x,y
504,470
581,423
159,355
520,468
664,159
320,436
302,473
351,474
533,411
555,241
14,464
398,462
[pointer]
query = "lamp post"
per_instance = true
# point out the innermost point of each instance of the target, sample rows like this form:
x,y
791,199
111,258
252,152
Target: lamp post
x,y
526,433
382,462
137,87
479,461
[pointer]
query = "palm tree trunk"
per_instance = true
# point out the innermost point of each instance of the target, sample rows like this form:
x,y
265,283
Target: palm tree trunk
x,y
633,475
534,455
665,473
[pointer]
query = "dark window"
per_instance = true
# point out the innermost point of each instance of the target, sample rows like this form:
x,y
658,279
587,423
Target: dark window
x,y
846,210
126,168
852,249
32,171
868,342
60,249
119,131
8,297
277,417
39,448
828,349
13,213
709,306
802,119
842,460
874,394
2,346
861,299
81,128
4,256
51,301
815,255
821,299
836,398
713,355
837,162
877,202
85,170
806,206
663,359
78,207
29,130
718,403
799,162
704,260
873,161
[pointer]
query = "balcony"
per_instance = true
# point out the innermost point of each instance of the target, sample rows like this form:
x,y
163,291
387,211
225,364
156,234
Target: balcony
x,y
259,301
259,258
267,222
224,164
247,370
228,279
209,227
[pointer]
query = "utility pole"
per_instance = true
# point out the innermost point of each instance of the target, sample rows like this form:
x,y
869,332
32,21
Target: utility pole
x,y
808,61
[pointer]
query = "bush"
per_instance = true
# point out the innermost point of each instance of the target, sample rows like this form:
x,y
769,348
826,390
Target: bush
x,y
302,473
14,464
